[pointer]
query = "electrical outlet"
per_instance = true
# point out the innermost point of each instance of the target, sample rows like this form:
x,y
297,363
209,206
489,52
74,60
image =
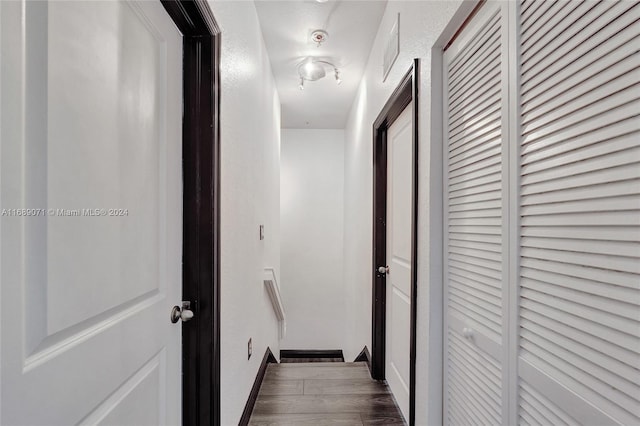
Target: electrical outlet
x,y
249,349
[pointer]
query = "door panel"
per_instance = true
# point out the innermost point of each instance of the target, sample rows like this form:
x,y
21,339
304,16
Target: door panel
x,y
121,145
476,251
579,288
399,204
92,145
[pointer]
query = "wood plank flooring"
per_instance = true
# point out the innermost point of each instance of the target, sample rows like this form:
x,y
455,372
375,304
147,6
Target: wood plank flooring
x,y
323,394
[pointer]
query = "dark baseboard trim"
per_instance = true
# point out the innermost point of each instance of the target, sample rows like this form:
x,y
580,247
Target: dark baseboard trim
x,y
253,396
311,353
364,356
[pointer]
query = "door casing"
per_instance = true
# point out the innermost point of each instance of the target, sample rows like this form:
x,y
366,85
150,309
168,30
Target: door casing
x,y
201,209
406,92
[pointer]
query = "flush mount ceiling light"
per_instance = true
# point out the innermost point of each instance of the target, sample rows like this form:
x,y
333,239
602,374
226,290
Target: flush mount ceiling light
x,y
312,69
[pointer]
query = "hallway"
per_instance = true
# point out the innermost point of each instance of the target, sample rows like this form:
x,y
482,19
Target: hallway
x,y
329,393
195,192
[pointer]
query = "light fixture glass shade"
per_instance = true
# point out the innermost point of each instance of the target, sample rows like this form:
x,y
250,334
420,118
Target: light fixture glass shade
x,y
312,71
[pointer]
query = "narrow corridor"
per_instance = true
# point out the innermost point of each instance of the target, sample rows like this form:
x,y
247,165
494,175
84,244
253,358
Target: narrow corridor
x,y
318,394
195,192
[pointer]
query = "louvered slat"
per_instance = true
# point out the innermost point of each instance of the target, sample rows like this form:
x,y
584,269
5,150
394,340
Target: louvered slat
x,y
578,44
624,172
580,211
475,381
581,150
586,88
624,375
560,17
619,346
583,272
559,144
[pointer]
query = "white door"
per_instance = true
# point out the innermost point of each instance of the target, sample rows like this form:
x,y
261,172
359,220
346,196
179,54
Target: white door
x,y
578,311
542,241
476,240
91,142
399,207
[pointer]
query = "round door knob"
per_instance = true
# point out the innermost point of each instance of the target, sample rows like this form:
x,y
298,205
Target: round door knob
x,y
383,269
186,315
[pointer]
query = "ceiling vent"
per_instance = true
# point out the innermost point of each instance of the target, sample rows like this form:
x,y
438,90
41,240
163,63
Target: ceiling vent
x,y
392,48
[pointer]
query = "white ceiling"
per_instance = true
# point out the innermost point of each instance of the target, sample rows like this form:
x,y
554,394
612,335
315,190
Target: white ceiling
x,y
286,27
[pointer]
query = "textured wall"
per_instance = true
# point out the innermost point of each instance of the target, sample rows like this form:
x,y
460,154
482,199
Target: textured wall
x,y
250,196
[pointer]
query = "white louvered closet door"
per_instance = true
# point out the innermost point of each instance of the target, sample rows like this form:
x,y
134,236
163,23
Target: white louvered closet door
x,y
579,302
542,190
475,203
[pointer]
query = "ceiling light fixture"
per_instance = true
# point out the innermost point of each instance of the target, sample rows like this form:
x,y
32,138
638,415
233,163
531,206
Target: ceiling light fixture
x,y
312,69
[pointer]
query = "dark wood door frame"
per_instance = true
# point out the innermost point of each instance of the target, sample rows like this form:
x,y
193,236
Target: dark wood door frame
x,y
201,209
406,92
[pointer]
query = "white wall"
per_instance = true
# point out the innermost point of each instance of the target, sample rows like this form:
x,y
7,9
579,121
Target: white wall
x,y
421,23
250,181
311,216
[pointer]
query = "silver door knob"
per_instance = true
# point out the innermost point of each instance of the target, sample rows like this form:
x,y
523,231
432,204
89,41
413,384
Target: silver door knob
x,y
181,313
186,314
383,269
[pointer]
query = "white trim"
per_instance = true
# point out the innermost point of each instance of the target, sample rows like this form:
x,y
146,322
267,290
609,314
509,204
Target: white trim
x,y
509,193
435,224
512,297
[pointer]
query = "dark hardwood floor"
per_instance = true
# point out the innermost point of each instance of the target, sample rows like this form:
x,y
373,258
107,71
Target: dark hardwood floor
x,y
321,394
